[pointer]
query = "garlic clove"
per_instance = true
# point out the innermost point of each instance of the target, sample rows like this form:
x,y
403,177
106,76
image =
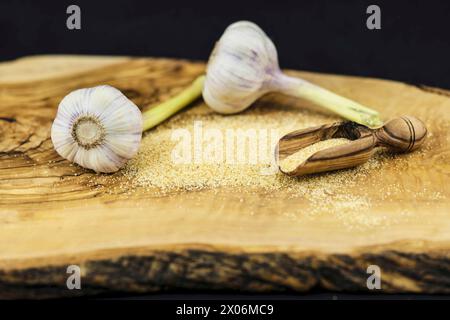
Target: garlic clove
x,y
240,68
98,128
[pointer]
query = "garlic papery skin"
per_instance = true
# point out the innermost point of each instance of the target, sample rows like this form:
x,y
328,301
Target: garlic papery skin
x,y
240,68
98,128
244,66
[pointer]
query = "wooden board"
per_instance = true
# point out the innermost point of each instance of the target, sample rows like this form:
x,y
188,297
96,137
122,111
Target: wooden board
x,y
52,215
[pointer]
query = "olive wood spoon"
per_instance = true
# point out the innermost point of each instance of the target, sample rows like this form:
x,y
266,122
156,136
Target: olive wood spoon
x,y
403,134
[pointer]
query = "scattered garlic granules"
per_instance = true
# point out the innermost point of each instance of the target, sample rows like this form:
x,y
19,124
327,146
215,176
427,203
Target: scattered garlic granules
x,y
245,168
292,161
335,194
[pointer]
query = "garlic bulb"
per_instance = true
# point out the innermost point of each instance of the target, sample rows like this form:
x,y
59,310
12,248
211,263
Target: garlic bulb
x,y
244,66
240,68
97,128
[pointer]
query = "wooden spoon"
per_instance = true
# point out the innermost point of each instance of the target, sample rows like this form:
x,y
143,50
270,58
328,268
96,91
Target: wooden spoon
x,y
403,134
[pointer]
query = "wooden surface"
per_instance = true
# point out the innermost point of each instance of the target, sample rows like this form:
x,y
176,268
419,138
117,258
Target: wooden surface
x,y
53,214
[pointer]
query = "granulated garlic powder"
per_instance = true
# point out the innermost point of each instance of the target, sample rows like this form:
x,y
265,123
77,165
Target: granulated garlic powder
x,y
294,160
247,162
161,168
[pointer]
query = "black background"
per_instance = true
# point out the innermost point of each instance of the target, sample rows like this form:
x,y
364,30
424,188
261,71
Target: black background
x,y
325,36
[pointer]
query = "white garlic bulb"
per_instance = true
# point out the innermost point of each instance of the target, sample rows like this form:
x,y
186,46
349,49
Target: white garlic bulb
x,y
244,66
98,128
240,68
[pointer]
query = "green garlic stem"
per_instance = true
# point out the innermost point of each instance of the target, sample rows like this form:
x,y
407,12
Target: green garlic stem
x,y
344,107
165,110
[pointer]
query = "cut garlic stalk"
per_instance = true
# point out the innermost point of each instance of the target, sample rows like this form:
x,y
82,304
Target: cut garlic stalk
x,y
97,128
244,66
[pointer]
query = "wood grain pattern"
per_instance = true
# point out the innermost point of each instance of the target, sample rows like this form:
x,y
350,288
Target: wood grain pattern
x,y
53,214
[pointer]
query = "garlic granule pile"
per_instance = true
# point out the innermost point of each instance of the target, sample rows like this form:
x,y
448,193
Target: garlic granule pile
x,y
294,160
239,166
98,128
335,194
154,167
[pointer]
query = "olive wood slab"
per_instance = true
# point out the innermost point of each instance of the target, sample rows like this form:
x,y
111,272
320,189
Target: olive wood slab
x,y
53,214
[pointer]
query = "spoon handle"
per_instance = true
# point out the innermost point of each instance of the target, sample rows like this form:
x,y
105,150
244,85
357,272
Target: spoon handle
x,y
403,134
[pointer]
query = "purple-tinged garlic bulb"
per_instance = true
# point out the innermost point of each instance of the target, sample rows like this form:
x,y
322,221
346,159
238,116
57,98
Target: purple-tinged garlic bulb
x,y
244,66
98,128
240,68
